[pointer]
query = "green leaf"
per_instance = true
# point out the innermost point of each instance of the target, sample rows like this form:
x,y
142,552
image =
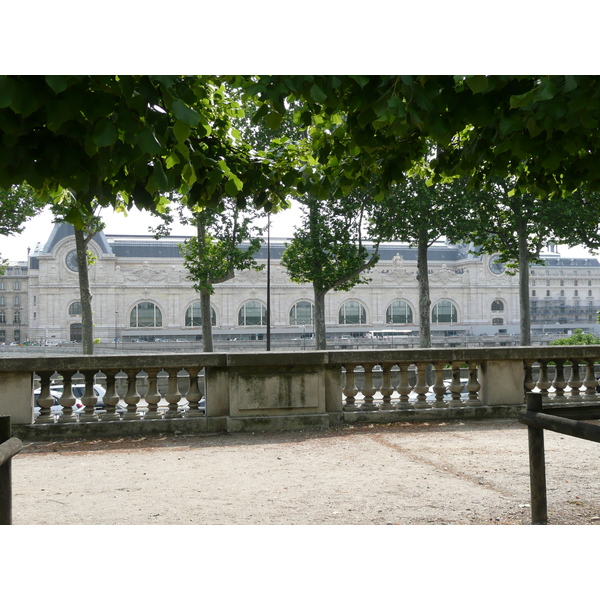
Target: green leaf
x,y
58,83
362,80
317,94
160,176
273,119
546,90
7,91
522,99
477,83
172,160
182,130
185,113
148,142
233,185
105,133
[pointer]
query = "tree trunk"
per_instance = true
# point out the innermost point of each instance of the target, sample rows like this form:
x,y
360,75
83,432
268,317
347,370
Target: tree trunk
x,y
207,337
207,341
85,293
424,299
524,285
319,325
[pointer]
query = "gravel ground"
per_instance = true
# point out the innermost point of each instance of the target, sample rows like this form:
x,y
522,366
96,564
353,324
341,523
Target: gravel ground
x,y
401,474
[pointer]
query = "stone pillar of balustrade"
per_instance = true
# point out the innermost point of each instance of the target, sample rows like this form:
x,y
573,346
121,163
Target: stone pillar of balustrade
x,y
173,396
67,398
14,387
153,396
501,382
216,382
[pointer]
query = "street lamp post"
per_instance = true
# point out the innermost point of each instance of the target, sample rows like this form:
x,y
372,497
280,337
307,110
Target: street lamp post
x,y
116,325
269,282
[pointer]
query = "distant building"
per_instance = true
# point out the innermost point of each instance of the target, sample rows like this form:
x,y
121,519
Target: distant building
x,y
141,292
14,304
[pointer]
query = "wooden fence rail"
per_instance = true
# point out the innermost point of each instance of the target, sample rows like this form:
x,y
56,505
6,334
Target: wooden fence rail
x,y
537,419
8,448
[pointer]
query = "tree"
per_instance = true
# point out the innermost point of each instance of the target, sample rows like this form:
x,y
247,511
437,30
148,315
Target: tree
x,y
88,141
519,226
217,251
419,214
17,205
327,250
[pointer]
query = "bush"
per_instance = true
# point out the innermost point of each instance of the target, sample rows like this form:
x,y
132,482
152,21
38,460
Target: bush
x,y
577,339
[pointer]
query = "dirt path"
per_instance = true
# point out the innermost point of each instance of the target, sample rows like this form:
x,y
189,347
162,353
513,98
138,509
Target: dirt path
x,y
448,473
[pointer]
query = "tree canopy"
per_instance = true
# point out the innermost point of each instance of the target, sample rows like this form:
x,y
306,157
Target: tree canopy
x,y
366,128
130,140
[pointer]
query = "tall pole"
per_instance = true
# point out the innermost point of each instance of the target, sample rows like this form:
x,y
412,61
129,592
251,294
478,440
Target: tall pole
x,y
268,282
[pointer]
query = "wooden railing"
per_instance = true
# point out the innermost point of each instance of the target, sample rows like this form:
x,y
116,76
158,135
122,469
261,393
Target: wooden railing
x,y
560,420
9,446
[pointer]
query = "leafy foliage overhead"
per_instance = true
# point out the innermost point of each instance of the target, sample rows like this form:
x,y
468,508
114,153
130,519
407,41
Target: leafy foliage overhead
x,y
129,139
541,130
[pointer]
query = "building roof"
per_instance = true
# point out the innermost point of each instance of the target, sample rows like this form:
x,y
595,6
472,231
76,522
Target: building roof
x,y
146,246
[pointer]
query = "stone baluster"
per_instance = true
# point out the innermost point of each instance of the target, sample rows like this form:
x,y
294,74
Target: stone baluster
x,y
575,381
559,384
404,387
173,396
473,387
131,397
45,399
368,390
194,394
387,389
422,387
153,396
350,390
439,389
590,382
111,398
543,383
456,387
89,398
67,398
528,381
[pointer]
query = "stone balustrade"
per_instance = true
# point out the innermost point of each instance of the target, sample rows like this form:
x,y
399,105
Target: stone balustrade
x,y
280,390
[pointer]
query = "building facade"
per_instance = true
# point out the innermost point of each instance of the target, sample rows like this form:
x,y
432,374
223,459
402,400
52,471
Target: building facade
x,y
14,304
141,292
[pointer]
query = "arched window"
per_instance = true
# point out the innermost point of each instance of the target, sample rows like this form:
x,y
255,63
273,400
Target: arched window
x,y
193,316
75,309
398,312
352,313
145,314
252,313
444,312
302,313
497,306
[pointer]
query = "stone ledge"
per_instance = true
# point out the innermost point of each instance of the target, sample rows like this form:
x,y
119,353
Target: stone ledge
x,y
278,423
48,432
433,414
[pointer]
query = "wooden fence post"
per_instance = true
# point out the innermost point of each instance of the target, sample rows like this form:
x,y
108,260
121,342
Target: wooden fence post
x,y
5,477
537,465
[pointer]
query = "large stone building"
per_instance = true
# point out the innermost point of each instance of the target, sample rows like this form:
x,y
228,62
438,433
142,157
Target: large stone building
x,y
141,292
14,318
